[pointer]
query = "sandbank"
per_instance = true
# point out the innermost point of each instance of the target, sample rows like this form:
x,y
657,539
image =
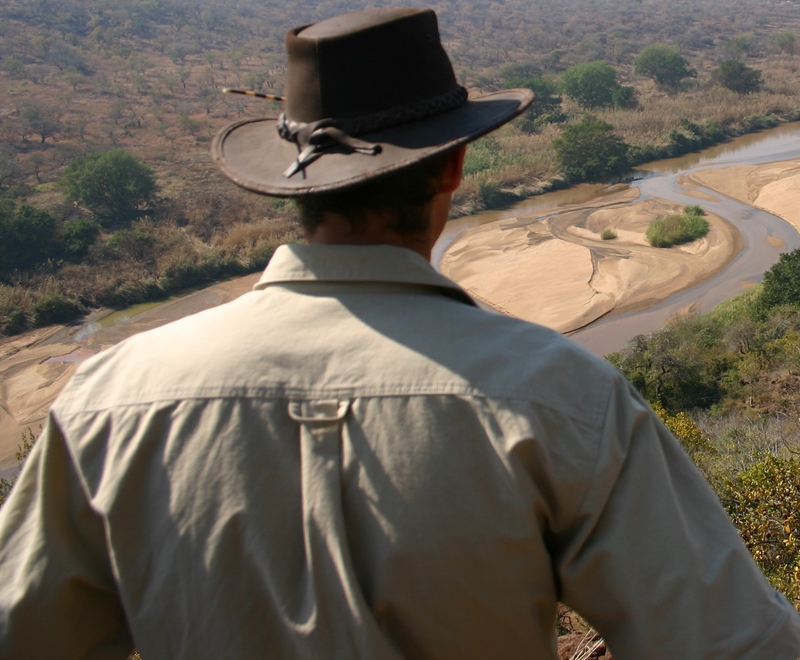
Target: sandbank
x,y
772,187
553,268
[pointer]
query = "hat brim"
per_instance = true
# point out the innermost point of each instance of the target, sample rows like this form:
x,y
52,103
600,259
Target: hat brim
x,y
254,156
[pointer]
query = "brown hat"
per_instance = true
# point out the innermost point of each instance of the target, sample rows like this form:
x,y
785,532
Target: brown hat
x,y
367,94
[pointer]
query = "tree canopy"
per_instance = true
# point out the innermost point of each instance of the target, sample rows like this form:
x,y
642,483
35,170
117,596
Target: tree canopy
x,y
664,65
26,236
781,284
590,150
115,185
737,77
595,85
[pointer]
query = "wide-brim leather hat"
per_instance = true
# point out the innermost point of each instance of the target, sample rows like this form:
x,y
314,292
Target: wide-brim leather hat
x,y
367,94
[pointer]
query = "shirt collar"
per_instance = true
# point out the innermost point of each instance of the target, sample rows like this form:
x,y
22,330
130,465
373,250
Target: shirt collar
x,y
355,263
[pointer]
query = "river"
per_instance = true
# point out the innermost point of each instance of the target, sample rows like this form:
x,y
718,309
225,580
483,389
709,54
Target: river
x,y
765,235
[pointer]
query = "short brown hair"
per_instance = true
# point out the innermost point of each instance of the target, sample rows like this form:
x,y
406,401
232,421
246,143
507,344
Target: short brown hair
x,y
403,194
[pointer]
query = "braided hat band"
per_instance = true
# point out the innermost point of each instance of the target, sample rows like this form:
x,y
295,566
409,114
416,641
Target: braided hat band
x,y
367,94
314,138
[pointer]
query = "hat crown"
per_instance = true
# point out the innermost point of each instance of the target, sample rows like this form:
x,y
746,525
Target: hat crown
x,y
365,62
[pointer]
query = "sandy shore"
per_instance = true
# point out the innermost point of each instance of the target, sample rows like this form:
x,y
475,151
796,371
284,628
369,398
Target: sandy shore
x,y
773,187
554,269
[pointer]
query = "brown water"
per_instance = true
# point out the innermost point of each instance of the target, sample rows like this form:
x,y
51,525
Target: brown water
x,y
765,235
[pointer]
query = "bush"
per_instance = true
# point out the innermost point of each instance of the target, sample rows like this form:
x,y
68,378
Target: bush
x,y
591,84
78,236
115,185
737,77
764,504
26,236
55,308
781,284
664,65
608,234
591,151
678,229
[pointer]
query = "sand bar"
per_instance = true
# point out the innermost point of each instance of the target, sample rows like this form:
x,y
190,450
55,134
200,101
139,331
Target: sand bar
x,y
555,269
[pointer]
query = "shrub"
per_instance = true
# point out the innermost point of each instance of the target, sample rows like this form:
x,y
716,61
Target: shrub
x,y
591,84
737,77
764,504
114,185
608,234
26,236
78,236
590,150
664,65
781,284
55,308
677,229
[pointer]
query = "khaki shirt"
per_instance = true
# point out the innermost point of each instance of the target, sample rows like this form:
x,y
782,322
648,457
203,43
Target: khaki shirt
x,y
353,461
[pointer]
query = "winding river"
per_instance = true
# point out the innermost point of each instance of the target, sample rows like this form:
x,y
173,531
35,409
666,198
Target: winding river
x,y
36,365
764,235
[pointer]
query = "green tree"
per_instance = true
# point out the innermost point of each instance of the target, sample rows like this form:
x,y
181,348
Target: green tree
x,y
664,65
737,77
590,150
781,285
78,236
116,185
591,84
546,106
26,236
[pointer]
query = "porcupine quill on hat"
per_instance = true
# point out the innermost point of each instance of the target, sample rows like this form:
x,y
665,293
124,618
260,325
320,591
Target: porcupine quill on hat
x,y
367,94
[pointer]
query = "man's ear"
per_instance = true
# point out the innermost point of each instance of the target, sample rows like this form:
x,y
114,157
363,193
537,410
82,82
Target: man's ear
x,y
451,177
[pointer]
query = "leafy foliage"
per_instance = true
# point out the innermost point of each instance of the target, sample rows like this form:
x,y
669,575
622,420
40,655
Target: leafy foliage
x,y
114,185
781,284
26,236
591,84
737,77
677,229
590,150
78,236
608,234
664,65
546,107
764,504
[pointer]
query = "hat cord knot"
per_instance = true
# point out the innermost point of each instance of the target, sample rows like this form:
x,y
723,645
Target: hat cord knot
x,y
313,139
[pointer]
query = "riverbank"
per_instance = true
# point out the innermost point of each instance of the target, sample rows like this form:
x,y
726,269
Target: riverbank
x,y
36,365
549,262
772,187
555,269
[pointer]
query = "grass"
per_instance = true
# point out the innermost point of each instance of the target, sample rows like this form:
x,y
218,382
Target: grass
x,y
608,234
678,229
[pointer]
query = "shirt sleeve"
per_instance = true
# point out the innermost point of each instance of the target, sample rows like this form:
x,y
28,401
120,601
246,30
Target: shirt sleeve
x,y
58,595
654,563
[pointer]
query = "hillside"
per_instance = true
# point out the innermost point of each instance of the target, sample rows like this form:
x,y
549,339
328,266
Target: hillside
x,y
145,76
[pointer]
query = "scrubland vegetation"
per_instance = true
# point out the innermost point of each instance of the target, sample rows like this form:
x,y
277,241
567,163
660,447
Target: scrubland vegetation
x,y
641,80
726,383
